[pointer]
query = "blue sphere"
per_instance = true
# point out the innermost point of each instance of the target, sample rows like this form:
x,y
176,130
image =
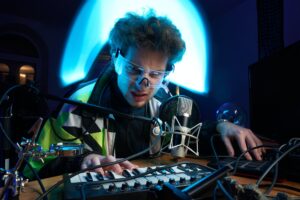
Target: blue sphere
x,y
233,113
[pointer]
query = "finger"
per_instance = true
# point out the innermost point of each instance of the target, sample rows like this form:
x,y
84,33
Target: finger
x,y
252,144
228,146
259,142
261,150
99,170
96,161
116,167
84,166
243,146
128,165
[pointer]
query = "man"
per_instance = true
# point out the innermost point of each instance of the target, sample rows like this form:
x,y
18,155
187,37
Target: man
x,y
144,50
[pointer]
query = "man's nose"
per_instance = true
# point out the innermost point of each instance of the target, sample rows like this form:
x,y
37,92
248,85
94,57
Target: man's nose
x,y
144,82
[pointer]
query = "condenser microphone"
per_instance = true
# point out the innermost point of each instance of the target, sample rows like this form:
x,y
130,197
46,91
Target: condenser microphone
x,y
182,116
183,113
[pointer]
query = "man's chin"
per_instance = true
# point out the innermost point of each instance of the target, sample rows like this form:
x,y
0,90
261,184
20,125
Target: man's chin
x,y
139,104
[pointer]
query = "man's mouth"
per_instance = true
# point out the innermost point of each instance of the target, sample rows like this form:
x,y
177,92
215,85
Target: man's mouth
x,y
139,96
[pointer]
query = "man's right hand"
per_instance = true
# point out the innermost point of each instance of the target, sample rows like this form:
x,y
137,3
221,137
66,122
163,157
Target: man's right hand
x,y
92,160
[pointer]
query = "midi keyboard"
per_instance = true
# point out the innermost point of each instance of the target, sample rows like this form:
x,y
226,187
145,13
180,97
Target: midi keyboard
x,y
138,183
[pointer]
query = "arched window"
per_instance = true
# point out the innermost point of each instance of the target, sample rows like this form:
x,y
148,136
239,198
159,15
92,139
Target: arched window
x,y
26,72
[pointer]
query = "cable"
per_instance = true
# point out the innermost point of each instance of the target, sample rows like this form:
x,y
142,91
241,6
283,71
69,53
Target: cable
x,y
37,177
1,126
82,191
154,120
222,188
214,150
275,162
274,178
7,138
248,150
239,158
215,193
94,107
18,149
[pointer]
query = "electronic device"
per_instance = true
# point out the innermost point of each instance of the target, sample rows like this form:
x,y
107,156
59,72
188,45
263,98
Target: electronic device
x,y
246,168
256,168
274,102
139,183
273,88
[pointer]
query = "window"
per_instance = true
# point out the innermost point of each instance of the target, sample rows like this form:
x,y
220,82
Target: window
x,y
26,72
4,72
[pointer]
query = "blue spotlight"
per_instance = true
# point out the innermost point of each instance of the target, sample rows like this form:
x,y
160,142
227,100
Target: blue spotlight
x,y
96,18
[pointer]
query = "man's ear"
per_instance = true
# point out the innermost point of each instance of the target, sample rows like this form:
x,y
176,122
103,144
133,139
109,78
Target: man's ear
x,y
117,63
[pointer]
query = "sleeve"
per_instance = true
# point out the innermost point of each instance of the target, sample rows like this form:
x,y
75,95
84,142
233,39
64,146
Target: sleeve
x,y
70,125
208,130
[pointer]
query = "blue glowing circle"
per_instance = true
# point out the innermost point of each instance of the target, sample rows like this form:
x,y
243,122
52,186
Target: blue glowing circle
x,y
91,28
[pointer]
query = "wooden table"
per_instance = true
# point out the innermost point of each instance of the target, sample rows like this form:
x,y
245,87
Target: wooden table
x,y
32,189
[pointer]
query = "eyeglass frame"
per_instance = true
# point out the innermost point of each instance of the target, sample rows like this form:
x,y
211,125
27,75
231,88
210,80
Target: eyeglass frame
x,y
140,70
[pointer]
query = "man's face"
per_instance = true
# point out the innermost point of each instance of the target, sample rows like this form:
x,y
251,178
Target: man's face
x,y
140,73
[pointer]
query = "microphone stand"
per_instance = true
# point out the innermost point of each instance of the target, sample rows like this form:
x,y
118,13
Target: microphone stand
x,y
94,107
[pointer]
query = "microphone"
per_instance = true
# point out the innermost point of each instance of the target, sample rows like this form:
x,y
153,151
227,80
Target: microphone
x,y
181,114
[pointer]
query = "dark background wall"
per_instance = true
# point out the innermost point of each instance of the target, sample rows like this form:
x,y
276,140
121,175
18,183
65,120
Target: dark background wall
x,y
233,36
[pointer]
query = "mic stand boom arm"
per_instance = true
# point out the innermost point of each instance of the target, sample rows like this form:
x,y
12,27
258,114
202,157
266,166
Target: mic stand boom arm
x,y
94,107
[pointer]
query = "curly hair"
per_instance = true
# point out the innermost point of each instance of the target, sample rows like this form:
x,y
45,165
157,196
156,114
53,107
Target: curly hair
x,y
147,31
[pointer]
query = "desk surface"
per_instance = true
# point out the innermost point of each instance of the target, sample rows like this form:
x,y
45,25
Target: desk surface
x,y
32,189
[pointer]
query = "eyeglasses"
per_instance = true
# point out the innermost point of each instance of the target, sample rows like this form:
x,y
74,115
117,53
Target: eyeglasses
x,y
134,72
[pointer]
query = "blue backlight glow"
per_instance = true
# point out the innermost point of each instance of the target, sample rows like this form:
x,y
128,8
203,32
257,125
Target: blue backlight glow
x,y
96,18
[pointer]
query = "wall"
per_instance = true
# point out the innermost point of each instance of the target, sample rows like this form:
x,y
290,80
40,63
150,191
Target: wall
x,y
232,34
234,46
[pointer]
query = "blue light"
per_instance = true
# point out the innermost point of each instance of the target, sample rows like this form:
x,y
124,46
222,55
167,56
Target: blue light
x,y
96,18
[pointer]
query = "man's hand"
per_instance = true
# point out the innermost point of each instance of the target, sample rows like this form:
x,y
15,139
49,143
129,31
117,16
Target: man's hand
x,y
245,138
92,160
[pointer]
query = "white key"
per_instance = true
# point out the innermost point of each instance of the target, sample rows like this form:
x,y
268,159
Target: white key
x,y
114,175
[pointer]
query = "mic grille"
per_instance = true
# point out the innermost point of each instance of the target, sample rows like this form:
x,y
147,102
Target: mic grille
x,y
177,106
184,106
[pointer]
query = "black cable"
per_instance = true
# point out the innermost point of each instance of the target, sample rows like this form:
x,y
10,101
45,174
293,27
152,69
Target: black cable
x,y
274,178
214,150
149,171
82,191
155,120
94,107
206,157
7,138
114,180
215,192
1,126
30,167
34,172
248,150
222,188
275,162
37,177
